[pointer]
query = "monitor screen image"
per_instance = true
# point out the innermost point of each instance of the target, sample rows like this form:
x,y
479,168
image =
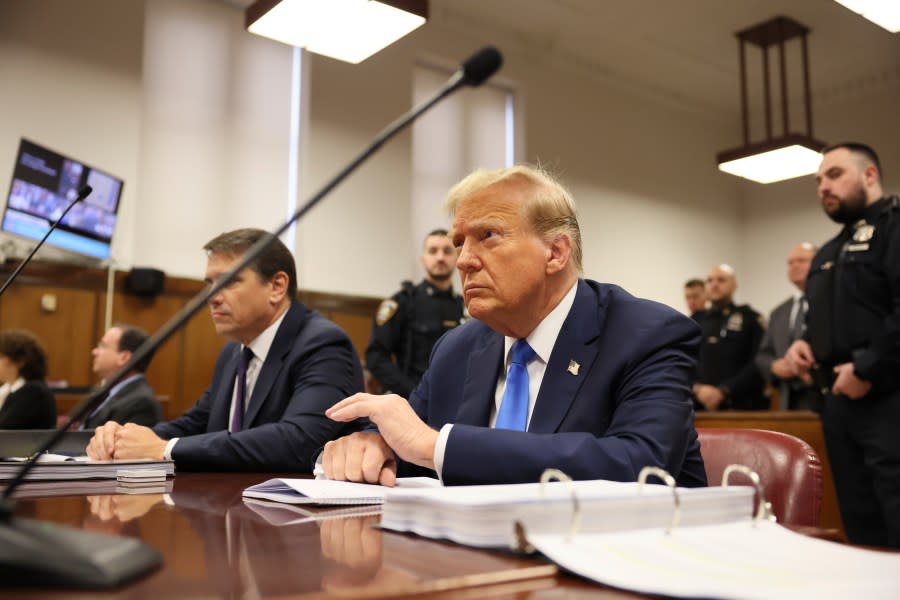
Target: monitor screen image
x,y
44,183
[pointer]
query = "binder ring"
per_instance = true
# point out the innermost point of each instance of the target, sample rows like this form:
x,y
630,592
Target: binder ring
x,y
764,509
556,475
669,481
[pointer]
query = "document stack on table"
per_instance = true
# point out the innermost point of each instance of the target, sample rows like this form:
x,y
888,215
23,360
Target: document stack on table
x,y
651,539
88,487
58,467
495,516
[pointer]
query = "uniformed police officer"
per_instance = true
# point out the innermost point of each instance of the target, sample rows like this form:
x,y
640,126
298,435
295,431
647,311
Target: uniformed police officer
x,y
852,344
409,323
727,377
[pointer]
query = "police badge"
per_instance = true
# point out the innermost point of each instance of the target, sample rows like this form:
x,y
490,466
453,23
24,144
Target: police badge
x,y
386,310
863,233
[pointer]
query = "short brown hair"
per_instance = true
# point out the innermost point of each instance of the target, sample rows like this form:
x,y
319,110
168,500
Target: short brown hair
x,y
276,257
131,339
863,151
695,282
21,346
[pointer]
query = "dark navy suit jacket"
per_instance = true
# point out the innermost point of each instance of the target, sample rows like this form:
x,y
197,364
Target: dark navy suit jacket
x,y
311,365
627,406
134,403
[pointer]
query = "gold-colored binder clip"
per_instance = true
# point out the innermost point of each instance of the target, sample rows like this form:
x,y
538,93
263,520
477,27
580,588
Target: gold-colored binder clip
x,y
547,476
764,508
669,481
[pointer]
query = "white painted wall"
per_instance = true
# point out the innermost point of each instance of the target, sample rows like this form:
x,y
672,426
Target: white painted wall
x,y
213,142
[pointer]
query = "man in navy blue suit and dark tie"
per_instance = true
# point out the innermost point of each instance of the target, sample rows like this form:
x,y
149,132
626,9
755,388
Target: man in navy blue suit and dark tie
x,y
554,371
286,364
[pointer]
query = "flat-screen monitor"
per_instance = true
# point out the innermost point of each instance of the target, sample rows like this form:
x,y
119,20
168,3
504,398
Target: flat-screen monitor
x,y
44,182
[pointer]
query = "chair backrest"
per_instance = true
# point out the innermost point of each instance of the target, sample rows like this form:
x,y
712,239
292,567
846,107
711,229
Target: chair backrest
x,y
789,469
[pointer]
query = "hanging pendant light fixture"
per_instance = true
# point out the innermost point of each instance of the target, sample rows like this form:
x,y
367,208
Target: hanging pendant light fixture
x,y
777,157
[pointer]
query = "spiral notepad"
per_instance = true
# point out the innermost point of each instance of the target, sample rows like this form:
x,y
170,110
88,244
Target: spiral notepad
x,y
327,492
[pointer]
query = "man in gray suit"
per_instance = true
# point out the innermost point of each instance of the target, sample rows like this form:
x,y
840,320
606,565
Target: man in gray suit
x,y
786,324
131,400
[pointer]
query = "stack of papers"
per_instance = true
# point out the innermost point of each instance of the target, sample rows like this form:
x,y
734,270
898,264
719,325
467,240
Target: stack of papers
x,y
486,515
87,487
60,468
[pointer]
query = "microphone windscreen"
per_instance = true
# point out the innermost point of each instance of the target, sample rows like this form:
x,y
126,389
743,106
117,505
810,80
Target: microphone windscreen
x,y
481,65
84,192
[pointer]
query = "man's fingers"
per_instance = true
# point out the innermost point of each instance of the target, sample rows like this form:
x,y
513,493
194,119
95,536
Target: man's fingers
x,y
102,443
354,453
388,475
335,457
356,457
350,408
374,458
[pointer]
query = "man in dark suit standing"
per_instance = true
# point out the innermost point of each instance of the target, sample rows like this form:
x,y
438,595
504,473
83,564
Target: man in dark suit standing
x,y
786,324
286,364
553,371
132,399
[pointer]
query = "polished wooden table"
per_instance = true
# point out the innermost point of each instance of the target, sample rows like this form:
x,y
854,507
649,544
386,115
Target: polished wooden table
x,y
215,545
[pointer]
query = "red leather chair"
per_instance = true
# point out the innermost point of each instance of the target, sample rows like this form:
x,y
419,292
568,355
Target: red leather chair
x,y
789,469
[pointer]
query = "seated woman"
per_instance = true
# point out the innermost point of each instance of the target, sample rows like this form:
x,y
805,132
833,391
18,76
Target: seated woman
x,y
25,400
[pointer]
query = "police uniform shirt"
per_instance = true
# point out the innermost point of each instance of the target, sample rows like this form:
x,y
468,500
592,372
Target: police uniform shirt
x,y
853,291
406,327
731,337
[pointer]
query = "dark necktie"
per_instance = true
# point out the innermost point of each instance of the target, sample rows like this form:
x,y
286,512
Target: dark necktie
x,y
513,413
237,417
798,327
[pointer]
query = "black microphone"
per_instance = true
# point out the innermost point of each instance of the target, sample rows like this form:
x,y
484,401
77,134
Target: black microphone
x,y
481,65
83,193
42,554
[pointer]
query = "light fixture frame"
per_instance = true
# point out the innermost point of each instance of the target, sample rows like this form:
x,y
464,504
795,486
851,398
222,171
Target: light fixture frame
x,y
769,33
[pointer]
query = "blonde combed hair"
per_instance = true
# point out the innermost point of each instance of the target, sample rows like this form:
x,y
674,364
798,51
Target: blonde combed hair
x,y
549,208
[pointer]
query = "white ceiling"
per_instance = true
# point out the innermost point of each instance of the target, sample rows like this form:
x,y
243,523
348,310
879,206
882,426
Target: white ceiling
x,y
684,50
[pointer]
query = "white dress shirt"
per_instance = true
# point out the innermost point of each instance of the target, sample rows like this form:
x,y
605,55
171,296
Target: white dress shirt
x,y
8,388
541,339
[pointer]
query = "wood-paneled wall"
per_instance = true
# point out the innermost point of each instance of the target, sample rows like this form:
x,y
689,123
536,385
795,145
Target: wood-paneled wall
x,y
65,305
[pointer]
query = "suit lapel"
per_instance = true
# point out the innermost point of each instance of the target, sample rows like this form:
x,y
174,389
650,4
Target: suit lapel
x,y
280,348
103,415
481,381
571,360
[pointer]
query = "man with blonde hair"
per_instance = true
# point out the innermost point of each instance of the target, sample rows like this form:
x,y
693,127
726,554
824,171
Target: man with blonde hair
x,y
552,371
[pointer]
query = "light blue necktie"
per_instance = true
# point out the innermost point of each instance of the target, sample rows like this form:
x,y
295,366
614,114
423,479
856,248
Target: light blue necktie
x,y
513,413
